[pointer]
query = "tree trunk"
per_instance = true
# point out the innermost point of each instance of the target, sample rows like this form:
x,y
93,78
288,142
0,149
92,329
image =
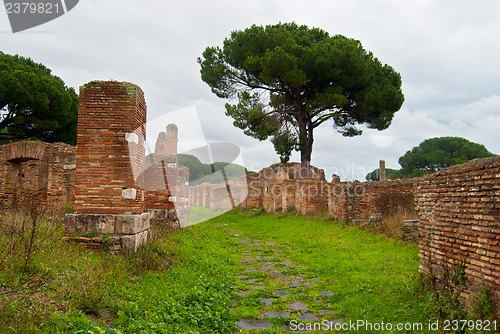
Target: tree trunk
x,y
305,140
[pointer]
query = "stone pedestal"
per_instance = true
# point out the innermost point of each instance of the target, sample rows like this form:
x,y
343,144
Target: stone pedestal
x,y
116,233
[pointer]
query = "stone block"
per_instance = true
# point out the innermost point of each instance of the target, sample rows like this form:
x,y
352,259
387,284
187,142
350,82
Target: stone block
x,y
121,233
132,138
89,224
130,193
131,243
131,224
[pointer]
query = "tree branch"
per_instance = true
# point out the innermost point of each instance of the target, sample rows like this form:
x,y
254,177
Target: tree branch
x,y
325,117
7,119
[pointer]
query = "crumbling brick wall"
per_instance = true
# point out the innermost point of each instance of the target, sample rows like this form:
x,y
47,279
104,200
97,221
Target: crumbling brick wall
x,y
165,181
219,196
33,172
277,189
371,201
459,220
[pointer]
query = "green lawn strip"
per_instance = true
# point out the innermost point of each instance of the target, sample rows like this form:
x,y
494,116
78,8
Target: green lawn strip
x,y
194,295
372,277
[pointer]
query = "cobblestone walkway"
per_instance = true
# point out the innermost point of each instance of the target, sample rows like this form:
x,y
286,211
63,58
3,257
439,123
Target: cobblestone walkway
x,y
273,291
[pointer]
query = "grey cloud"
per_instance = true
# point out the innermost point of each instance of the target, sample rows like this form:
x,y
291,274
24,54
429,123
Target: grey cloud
x,y
445,50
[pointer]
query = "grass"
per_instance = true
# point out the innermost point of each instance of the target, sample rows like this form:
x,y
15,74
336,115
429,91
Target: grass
x,y
183,282
372,277
178,283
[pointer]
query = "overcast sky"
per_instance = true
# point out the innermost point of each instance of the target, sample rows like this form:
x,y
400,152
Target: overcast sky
x,y
447,52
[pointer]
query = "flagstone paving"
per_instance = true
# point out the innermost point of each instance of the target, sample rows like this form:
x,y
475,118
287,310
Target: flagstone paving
x,y
279,288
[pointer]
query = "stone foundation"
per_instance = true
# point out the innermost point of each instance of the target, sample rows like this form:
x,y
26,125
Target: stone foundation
x,y
117,233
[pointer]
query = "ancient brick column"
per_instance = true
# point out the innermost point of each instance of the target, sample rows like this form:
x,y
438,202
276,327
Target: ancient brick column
x,y
110,148
109,196
165,182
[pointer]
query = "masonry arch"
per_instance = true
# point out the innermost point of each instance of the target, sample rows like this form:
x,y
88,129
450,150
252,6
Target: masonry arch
x,y
36,173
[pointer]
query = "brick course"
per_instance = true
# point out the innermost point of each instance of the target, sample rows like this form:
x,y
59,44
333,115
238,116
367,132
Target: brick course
x,y
459,220
110,148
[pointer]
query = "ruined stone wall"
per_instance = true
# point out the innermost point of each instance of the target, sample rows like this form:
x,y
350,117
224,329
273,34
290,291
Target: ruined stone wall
x,y
165,181
277,190
36,173
367,202
459,220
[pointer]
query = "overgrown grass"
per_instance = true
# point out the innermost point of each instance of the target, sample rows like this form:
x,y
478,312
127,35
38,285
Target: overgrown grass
x,y
183,281
58,278
392,224
178,283
372,277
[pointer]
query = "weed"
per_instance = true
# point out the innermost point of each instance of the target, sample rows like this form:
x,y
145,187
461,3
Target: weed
x,y
391,225
106,243
24,232
68,208
151,257
484,304
443,291
92,234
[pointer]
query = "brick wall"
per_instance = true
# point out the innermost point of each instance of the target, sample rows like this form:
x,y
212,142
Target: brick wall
x,y
110,148
459,219
165,182
371,201
217,196
278,190
38,173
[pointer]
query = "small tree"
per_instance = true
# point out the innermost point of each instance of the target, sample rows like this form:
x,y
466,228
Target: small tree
x,y
289,79
434,154
34,104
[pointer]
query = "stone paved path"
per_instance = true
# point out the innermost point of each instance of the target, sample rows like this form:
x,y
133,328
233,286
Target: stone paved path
x,y
273,291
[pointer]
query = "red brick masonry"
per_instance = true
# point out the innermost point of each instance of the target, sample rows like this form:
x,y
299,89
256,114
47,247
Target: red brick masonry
x,y
110,147
459,210
36,173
